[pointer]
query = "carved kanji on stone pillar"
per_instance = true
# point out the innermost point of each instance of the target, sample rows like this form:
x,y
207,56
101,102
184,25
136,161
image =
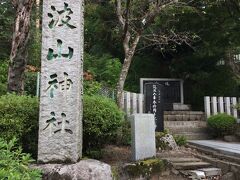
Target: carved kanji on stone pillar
x,y
60,122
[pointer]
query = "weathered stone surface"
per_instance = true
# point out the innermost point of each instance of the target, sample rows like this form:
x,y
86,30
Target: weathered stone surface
x,y
181,107
182,159
83,170
170,142
197,174
190,165
211,171
228,176
60,122
143,136
231,138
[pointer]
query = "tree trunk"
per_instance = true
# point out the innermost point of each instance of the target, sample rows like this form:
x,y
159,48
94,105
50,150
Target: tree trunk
x,y
18,57
129,53
121,81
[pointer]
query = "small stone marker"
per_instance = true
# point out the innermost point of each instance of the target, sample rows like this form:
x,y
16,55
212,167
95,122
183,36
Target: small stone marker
x,y
60,122
143,136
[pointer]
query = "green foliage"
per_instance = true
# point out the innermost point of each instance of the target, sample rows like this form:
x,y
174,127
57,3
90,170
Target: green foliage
x,y
3,77
145,168
19,118
30,86
94,153
221,125
6,21
105,68
3,71
91,87
101,120
101,28
180,140
124,134
3,89
14,164
160,144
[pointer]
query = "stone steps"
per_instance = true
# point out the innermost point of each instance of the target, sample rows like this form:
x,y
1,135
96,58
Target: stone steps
x,y
229,165
215,154
193,130
194,136
184,116
190,165
191,124
194,168
186,124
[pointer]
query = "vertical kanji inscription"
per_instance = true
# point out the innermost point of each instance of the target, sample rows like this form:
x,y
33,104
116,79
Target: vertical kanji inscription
x,y
60,122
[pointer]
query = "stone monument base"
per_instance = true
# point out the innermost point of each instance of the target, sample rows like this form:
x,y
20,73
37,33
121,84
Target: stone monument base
x,y
84,170
143,136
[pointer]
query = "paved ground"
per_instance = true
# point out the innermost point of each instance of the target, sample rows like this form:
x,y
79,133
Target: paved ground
x,y
232,149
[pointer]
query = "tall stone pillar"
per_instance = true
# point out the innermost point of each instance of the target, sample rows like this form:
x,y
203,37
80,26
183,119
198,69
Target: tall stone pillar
x,y
60,123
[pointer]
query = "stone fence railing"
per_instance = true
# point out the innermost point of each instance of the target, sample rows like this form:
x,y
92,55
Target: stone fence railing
x,y
214,105
133,103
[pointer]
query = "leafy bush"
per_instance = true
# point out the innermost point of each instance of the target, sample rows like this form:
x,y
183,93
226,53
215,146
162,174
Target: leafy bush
x,y
3,89
105,68
91,87
221,125
160,144
19,118
101,120
180,140
14,164
124,134
3,77
3,71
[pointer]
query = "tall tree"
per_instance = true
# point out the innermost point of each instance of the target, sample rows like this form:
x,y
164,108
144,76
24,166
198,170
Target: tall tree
x,y
18,56
135,18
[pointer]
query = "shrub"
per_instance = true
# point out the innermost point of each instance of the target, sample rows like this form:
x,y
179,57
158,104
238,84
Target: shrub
x,y
14,164
180,140
19,118
221,125
3,89
101,121
91,87
3,71
160,144
124,134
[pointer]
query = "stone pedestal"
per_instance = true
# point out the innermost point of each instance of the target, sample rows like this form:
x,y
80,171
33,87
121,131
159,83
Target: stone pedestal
x,y
85,169
143,136
60,123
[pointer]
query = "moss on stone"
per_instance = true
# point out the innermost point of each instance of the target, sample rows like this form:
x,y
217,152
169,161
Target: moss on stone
x,y
145,168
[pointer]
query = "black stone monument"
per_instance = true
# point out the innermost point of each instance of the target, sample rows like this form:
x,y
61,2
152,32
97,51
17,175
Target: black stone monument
x,y
153,94
173,90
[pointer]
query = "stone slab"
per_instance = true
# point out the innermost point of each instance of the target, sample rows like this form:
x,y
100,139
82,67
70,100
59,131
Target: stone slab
x,y
211,171
190,165
197,174
231,149
143,136
60,121
186,159
181,107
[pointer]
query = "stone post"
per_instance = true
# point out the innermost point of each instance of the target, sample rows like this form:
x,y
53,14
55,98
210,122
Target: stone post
x,y
60,122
